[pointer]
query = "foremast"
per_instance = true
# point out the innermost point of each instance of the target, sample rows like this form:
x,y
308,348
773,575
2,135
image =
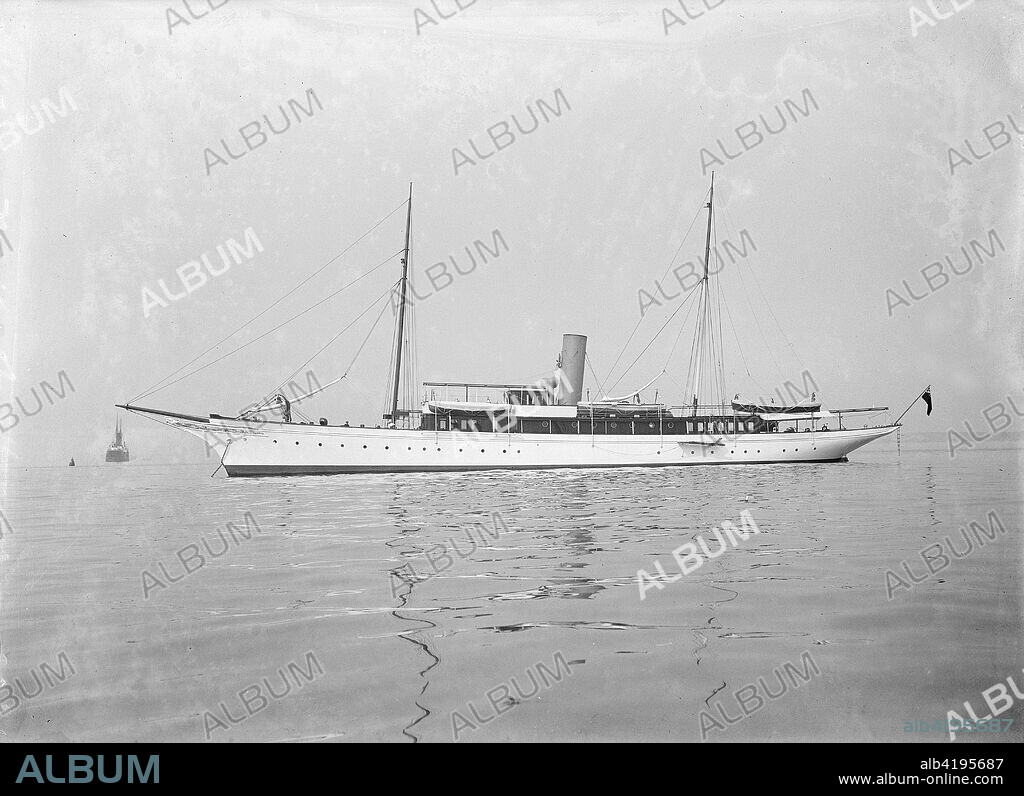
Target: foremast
x,y
393,416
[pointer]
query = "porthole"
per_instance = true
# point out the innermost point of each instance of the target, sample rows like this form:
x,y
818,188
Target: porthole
x,y
319,444
296,442
460,450
759,451
797,450
481,450
438,450
424,449
409,449
671,425
615,425
343,444
504,451
544,423
387,448
783,450
744,451
364,447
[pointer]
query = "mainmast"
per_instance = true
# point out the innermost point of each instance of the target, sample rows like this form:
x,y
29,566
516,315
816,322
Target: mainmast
x,y
704,303
401,311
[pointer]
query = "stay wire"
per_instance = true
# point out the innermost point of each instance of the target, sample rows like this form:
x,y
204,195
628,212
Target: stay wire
x,y
631,334
597,382
653,339
155,387
285,323
332,340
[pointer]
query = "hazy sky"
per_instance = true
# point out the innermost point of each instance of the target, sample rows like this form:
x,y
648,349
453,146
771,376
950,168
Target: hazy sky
x,y
848,200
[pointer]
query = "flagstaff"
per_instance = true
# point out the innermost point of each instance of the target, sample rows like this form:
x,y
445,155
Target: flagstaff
x,y
926,393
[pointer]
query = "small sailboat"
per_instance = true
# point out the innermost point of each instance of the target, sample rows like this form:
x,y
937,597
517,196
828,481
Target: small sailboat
x,y
72,462
118,449
473,426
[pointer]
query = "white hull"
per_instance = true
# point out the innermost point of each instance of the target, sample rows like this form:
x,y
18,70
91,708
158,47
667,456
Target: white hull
x,y
295,449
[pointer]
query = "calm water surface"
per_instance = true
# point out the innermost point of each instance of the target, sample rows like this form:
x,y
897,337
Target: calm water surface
x,y
337,567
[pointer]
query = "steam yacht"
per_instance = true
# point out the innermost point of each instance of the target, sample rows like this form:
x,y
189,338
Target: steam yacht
x,y
465,426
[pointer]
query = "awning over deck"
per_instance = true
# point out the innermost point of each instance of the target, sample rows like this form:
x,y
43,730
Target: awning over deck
x,y
755,409
513,410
